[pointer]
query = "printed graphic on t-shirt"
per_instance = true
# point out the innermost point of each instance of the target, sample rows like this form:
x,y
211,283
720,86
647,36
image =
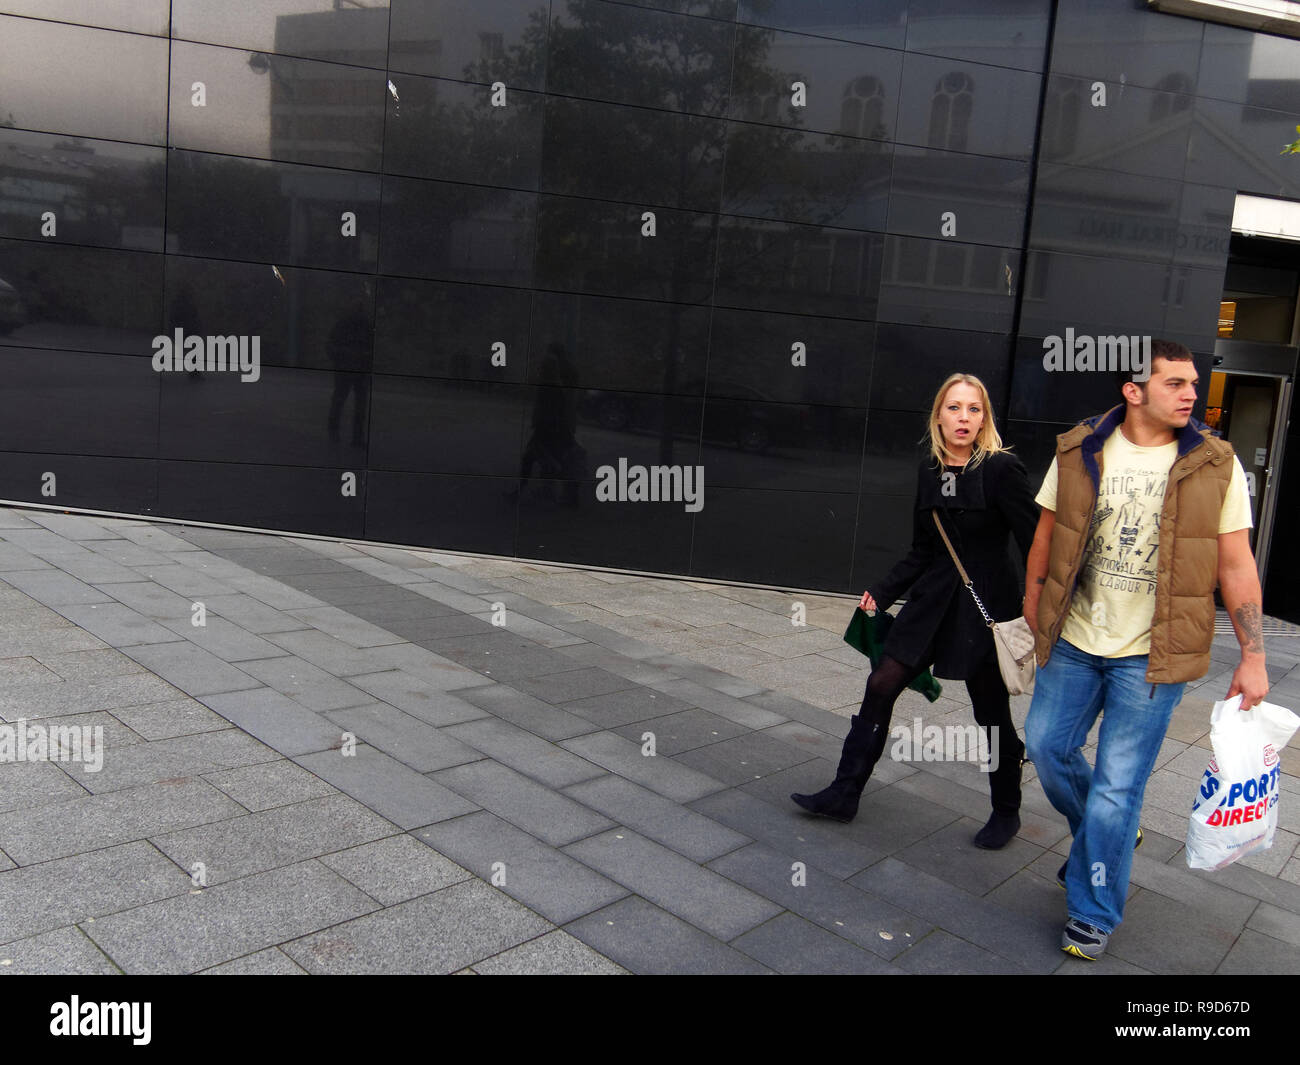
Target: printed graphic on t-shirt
x,y
1125,534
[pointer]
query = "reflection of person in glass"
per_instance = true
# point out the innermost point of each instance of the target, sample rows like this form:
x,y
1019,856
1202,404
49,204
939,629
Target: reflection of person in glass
x,y
552,445
347,340
981,494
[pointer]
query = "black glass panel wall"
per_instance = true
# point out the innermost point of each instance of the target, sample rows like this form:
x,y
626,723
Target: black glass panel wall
x,y
489,253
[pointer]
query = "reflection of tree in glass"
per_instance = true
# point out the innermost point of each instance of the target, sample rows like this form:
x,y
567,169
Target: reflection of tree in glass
x,y
779,172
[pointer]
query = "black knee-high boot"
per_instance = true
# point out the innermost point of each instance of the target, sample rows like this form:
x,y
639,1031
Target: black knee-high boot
x,y
862,749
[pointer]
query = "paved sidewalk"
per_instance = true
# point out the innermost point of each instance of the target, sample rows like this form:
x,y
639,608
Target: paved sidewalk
x,y
351,768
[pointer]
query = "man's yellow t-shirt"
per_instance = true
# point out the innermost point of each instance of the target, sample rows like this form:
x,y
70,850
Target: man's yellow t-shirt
x,y
1115,595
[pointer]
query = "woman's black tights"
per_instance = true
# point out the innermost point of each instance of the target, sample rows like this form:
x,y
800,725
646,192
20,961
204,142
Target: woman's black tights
x,y
869,730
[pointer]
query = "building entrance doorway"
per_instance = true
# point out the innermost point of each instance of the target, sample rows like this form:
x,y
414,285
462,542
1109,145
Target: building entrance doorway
x,y
1251,397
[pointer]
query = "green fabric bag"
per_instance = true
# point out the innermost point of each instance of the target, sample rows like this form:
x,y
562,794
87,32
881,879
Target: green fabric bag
x,y
867,633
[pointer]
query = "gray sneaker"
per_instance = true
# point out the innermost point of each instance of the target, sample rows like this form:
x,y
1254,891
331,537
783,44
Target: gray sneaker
x,y
1083,940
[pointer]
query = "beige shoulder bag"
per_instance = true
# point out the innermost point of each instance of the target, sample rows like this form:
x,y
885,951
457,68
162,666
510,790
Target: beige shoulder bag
x,y
1013,640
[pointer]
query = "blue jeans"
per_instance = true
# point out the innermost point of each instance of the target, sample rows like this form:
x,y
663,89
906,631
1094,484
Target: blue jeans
x,y
1102,806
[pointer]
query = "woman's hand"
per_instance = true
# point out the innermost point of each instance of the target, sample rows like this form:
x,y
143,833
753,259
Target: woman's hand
x,y
867,603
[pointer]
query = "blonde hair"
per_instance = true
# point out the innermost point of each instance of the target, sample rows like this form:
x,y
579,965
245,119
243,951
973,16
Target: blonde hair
x,y
987,440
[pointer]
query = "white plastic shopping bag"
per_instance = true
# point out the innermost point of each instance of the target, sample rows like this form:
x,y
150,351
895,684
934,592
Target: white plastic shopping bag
x,y
1235,809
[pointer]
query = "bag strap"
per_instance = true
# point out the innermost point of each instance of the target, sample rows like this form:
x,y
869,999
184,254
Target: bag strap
x,y
965,578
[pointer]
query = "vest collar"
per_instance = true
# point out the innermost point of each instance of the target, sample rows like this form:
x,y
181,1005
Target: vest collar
x,y
1090,437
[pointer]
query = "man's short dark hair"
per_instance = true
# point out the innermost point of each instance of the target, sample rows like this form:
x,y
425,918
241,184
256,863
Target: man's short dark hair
x,y
1160,349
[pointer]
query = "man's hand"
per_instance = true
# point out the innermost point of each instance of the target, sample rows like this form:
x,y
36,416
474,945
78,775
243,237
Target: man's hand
x,y
1250,679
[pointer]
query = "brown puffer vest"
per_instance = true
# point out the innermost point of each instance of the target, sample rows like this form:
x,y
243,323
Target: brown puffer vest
x,y
1187,571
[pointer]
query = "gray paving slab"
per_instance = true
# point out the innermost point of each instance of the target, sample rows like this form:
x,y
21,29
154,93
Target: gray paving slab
x,y
1279,924
411,607
185,581
949,854
501,655
554,954
182,756
542,812
524,752
1154,936
1017,938
147,535
789,944
408,739
395,869
709,901
683,731
941,953
537,631
192,669
169,718
56,894
708,677
84,696
744,758
526,712
423,629
972,802
633,669
81,823
55,588
269,784
198,930
226,640
33,784
574,684
125,553
789,831
90,665
431,669
13,557
395,791
269,839
440,593
307,684
1255,953
725,706
1255,884
269,962
422,701
35,642
1227,908
342,625
825,900
117,624
660,774
62,952
26,670
543,878
625,707
70,526
333,656
276,720
436,933
647,940
95,569
153,601
272,592
252,615
675,826
276,561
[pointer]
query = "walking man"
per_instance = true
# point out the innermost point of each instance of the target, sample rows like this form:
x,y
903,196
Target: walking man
x,y
1143,512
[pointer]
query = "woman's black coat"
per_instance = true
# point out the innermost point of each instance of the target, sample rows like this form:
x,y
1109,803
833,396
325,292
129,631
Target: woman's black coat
x,y
983,510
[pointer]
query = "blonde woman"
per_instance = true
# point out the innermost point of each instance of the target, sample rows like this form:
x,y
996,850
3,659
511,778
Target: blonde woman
x,y
982,495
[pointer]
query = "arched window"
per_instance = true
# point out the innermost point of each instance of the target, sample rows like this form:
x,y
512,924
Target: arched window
x,y
954,96
862,111
1173,94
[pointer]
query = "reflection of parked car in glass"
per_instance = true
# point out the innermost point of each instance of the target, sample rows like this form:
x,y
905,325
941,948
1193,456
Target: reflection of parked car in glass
x,y
745,418
12,312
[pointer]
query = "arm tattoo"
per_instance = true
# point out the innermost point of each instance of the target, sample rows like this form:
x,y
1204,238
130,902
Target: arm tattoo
x,y
1040,580
1250,624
